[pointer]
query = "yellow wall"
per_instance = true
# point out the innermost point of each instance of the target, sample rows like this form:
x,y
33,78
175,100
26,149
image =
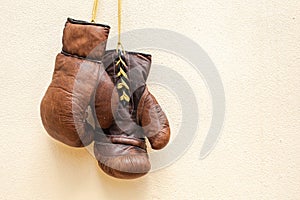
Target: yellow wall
x,y
255,46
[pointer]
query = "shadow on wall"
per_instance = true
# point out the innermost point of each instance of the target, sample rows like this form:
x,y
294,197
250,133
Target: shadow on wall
x,y
76,173
115,189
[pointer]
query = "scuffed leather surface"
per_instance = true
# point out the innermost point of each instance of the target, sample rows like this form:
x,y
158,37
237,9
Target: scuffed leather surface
x,y
75,80
64,106
106,101
121,155
121,149
85,39
126,157
154,121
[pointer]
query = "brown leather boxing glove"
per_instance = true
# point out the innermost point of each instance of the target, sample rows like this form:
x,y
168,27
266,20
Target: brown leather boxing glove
x,y
78,71
121,149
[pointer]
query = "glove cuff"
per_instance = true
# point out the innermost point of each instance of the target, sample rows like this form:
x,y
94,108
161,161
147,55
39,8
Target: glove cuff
x,y
84,39
104,136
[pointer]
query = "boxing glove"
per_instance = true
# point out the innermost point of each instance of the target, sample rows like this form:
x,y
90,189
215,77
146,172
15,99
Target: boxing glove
x,y
77,74
121,149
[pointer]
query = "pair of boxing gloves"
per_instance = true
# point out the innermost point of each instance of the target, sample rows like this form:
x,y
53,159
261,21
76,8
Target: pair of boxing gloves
x,y
113,84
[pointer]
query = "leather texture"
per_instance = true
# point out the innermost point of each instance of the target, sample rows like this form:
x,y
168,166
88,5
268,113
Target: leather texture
x,y
121,149
106,101
86,40
75,79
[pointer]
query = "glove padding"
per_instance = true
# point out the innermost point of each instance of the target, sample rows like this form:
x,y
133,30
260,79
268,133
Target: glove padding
x,y
121,149
77,73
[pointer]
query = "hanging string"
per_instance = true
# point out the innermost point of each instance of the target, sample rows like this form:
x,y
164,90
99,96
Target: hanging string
x,y
119,25
119,20
95,9
123,86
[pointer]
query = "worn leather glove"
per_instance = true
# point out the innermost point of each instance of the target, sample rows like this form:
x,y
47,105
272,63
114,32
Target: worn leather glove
x,y
121,149
77,74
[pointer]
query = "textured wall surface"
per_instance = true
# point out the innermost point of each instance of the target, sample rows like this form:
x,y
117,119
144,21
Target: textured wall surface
x,y
255,46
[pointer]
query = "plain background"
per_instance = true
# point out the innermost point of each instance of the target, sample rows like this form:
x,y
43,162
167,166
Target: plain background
x,y
255,46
